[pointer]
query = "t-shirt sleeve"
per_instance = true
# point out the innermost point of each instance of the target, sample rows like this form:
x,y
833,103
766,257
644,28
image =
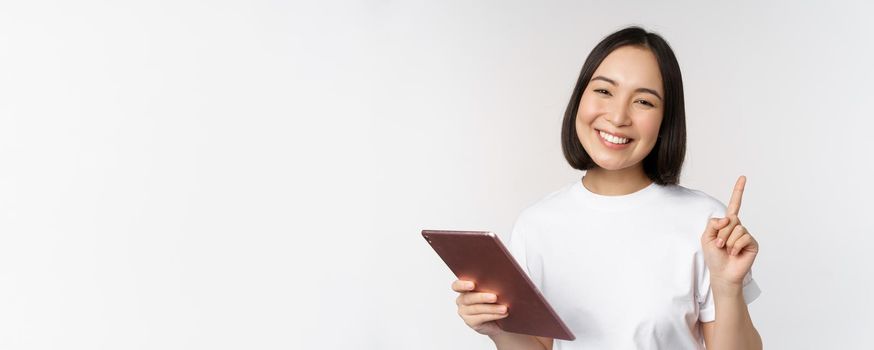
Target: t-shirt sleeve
x,y
704,295
707,307
516,245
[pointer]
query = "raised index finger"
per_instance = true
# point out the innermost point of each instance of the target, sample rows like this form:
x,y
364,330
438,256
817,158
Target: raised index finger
x,y
736,195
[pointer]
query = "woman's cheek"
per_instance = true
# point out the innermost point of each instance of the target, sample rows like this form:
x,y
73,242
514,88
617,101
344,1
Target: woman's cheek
x,y
650,124
588,108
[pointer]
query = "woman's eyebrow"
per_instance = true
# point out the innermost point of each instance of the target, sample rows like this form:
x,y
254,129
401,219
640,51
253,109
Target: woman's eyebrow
x,y
611,81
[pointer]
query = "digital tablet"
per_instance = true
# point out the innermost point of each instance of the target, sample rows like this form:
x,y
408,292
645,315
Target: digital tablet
x,y
479,256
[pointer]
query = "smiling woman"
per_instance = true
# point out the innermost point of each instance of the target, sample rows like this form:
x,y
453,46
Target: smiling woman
x,y
620,253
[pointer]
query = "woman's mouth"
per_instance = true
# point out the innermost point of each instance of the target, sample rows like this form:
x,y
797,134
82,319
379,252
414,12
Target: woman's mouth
x,y
612,141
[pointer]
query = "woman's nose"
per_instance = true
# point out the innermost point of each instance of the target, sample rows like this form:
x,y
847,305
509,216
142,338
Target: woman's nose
x,y
619,116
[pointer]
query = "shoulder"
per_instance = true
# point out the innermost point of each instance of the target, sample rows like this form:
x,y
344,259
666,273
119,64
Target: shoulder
x,y
685,211
548,205
687,199
553,201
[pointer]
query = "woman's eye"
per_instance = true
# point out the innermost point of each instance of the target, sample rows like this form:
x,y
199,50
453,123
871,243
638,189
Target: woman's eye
x,y
602,91
645,102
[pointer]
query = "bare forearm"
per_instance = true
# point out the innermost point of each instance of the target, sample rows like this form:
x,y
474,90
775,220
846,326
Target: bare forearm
x,y
514,341
734,328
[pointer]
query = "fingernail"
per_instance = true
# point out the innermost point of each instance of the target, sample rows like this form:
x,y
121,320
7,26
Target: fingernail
x,y
468,285
719,242
492,297
502,309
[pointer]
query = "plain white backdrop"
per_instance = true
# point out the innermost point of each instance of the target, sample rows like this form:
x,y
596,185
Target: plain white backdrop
x,y
256,174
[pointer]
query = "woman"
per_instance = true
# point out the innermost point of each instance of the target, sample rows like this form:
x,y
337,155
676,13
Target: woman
x,y
620,253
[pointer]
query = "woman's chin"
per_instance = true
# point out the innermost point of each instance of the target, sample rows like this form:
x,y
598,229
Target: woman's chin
x,y
611,166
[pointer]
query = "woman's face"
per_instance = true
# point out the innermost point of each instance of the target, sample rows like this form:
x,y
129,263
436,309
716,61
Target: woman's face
x,y
624,98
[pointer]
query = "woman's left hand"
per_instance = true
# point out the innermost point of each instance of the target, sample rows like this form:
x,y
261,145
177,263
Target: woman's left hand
x,y
729,249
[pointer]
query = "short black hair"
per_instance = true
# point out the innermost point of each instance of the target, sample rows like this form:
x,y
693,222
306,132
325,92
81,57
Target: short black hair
x,y
664,163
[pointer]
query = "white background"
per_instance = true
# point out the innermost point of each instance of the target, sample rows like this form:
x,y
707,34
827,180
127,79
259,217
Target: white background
x,y
256,174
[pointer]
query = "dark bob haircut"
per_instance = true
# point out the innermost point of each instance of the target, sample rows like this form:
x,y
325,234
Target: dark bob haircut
x,y
663,164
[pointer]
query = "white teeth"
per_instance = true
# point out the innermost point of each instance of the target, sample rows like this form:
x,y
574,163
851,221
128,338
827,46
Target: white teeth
x,y
614,139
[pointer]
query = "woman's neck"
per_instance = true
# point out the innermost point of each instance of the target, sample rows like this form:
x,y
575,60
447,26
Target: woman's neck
x,y
615,182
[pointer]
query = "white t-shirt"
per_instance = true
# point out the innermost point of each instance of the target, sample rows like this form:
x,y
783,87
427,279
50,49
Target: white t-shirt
x,y
623,272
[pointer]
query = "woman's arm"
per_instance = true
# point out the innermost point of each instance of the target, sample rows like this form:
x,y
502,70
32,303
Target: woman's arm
x,y
733,328
546,342
729,252
514,341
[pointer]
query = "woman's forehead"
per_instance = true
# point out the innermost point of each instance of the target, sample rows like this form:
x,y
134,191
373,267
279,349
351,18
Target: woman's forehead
x,y
631,67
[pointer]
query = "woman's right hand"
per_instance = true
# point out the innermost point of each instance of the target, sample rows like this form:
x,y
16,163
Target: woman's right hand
x,y
478,310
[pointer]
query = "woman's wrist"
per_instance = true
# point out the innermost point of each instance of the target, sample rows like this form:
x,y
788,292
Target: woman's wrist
x,y
726,289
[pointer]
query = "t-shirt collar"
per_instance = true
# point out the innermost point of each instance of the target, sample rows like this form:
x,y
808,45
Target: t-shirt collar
x,y
615,203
